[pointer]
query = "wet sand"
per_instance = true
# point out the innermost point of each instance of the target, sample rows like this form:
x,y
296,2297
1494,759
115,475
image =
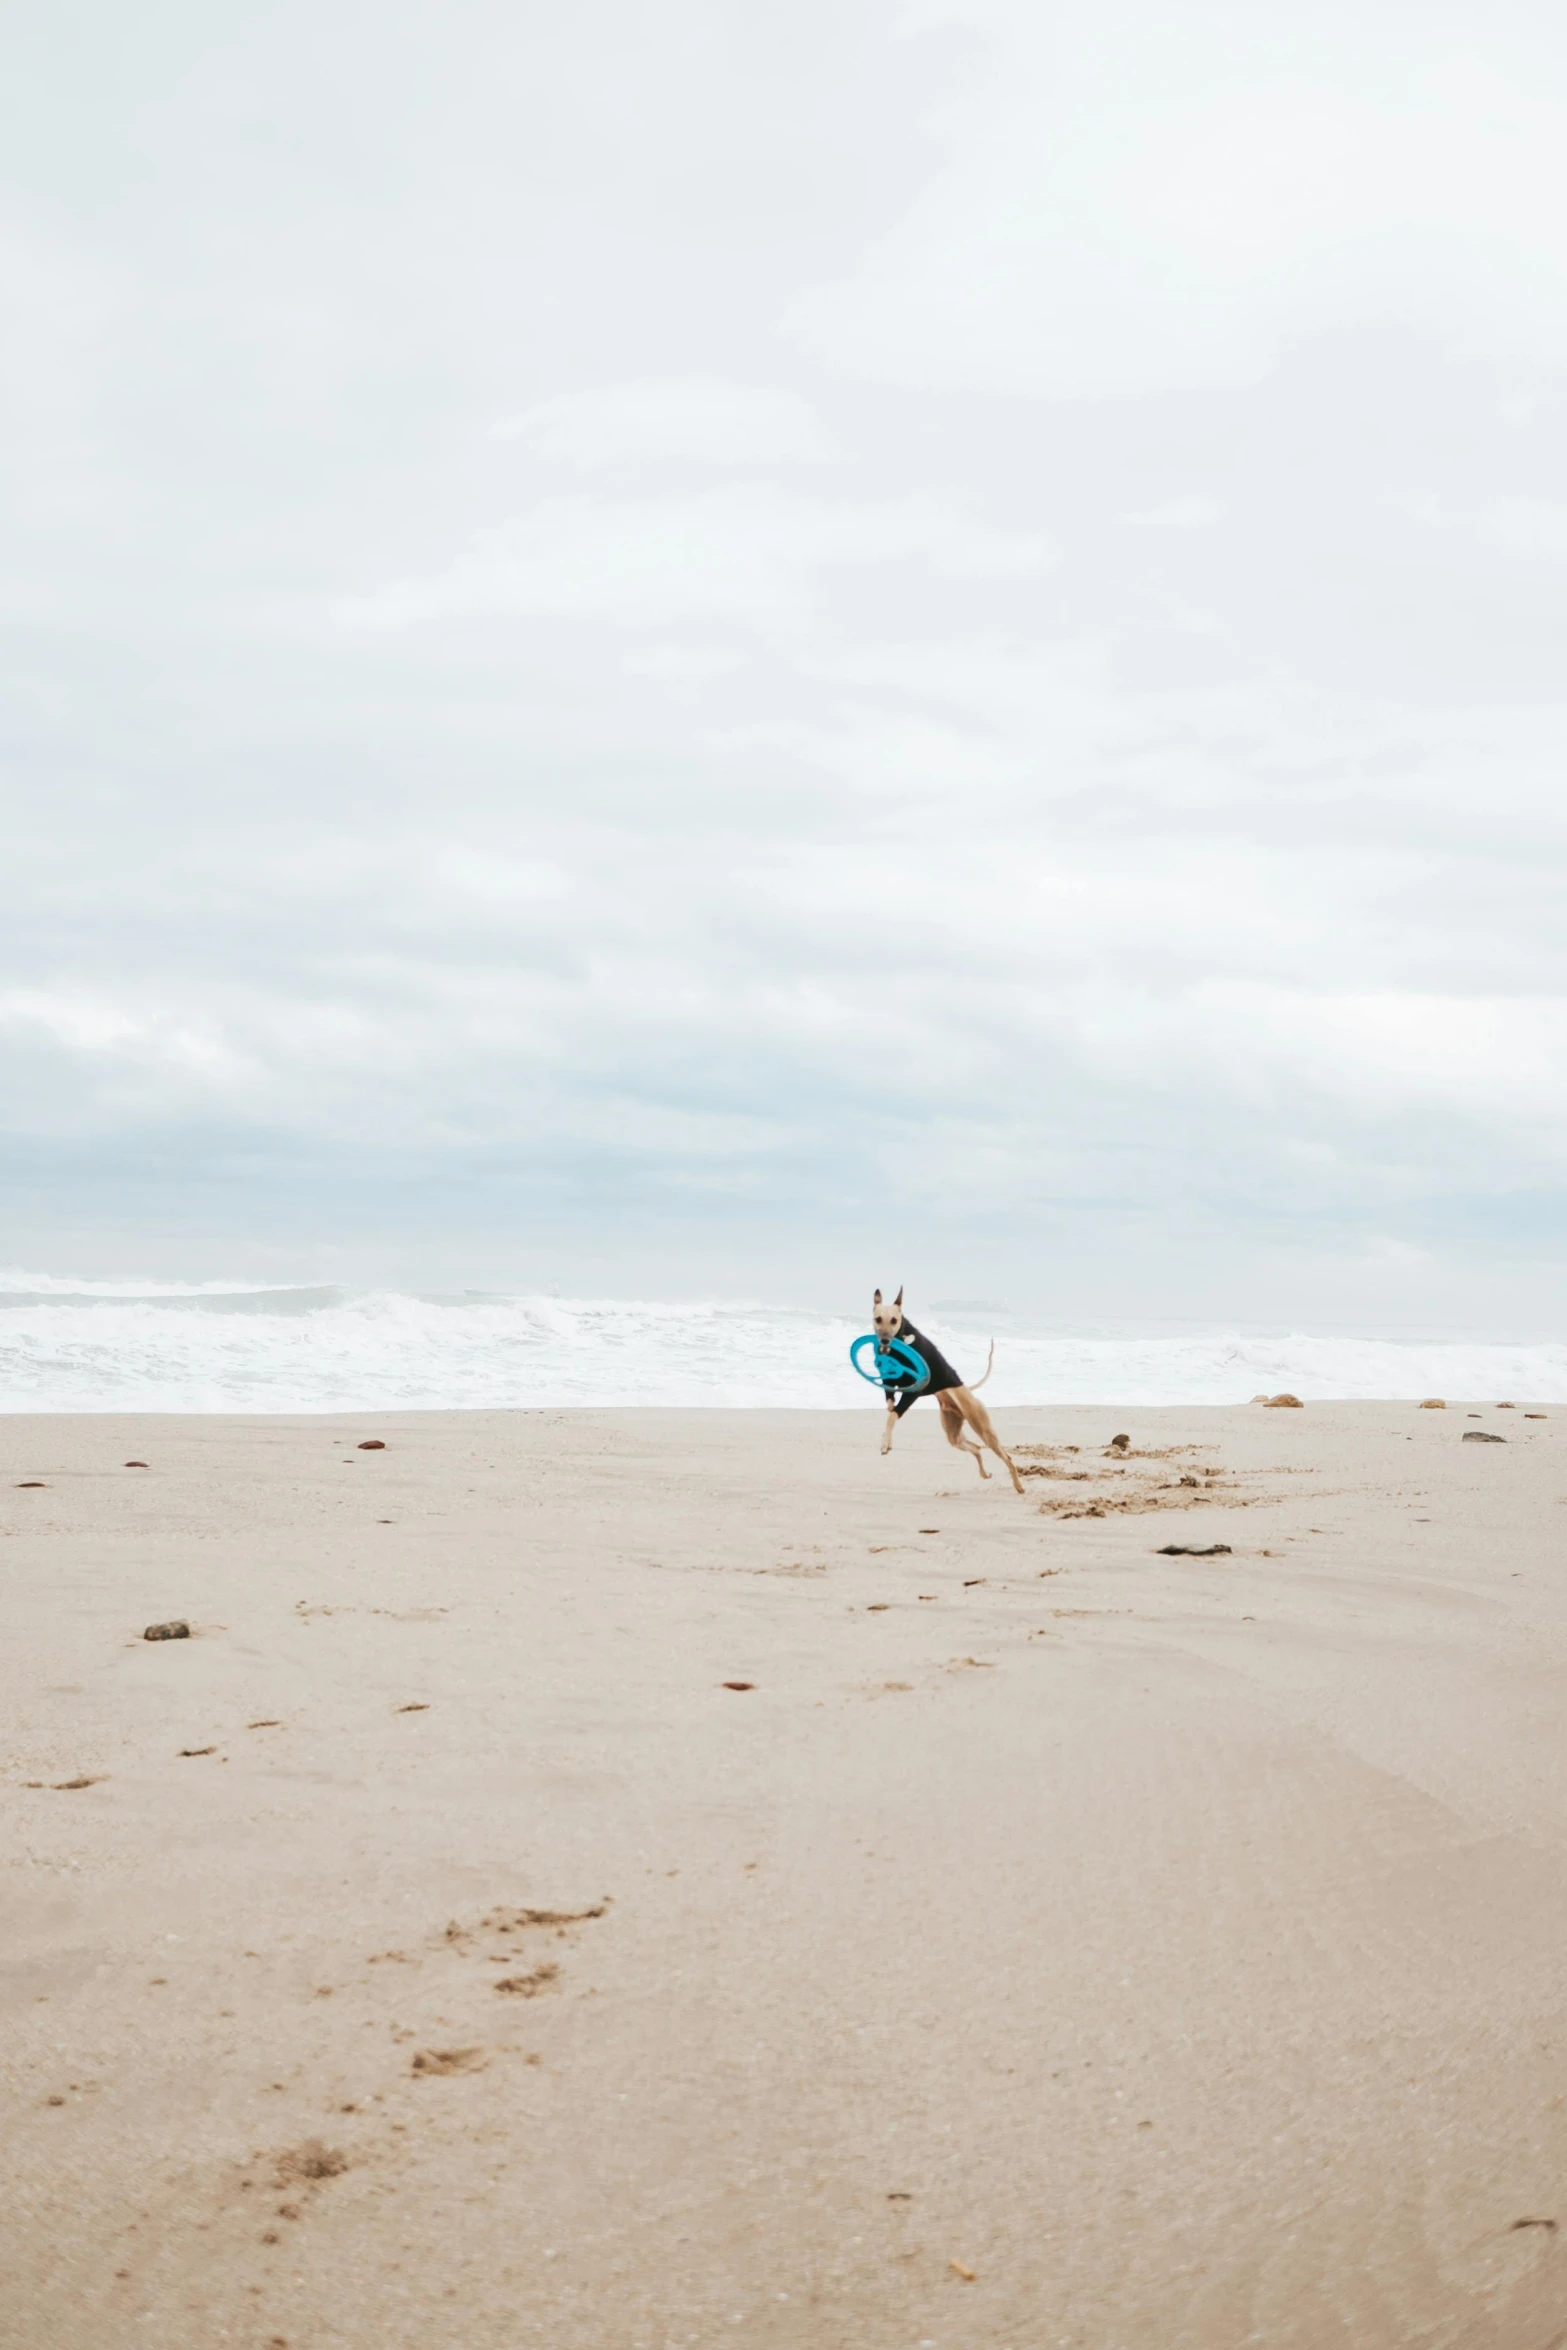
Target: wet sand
x,y
1055,1943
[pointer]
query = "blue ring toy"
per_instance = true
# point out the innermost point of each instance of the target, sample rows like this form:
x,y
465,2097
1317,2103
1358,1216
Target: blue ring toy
x,y
897,1365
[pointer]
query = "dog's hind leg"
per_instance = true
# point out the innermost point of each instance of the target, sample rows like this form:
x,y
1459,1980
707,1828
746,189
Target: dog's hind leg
x,y
979,1420
952,1429
888,1426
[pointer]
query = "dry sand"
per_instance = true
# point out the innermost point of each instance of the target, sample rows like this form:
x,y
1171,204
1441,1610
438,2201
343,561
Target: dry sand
x,y
1175,1944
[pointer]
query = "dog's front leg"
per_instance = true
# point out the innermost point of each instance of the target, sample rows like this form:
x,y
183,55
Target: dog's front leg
x,y
886,1434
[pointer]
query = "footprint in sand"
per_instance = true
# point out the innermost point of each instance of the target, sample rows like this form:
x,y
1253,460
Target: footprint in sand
x,y
430,2062
503,1923
508,1921
309,2163
529,1986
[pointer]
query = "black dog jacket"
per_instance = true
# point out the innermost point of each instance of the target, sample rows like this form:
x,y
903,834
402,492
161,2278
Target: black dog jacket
x,y
941,1372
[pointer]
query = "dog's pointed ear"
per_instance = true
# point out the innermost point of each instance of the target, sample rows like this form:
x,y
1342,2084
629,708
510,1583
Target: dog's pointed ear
x,y
898,1300
876,1300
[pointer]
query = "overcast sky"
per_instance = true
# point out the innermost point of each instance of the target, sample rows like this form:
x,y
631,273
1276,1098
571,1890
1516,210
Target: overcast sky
x,y
749,650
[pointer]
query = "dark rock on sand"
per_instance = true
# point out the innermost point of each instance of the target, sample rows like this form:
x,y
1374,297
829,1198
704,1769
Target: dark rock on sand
x,y
177,1630
1481,1436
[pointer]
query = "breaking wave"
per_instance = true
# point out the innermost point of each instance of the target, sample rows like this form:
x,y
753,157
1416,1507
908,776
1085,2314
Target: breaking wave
x,y
127,1346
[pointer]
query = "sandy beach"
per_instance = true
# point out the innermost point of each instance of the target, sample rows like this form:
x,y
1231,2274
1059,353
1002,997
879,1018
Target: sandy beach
x,y
1049,1942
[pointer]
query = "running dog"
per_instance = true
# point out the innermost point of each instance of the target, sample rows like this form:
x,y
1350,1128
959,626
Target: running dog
x,y
956,1402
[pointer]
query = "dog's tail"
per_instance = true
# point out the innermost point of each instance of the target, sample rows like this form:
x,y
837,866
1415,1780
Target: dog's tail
x,y
990,1364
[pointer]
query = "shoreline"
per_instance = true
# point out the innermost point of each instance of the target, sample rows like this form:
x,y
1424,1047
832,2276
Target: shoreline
x,y
1523,1403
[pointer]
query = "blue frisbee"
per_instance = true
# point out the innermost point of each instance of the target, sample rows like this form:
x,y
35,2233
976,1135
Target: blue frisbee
x,y
897,1366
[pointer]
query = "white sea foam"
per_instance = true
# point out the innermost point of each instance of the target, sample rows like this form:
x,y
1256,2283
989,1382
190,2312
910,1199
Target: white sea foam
x,y
80,1346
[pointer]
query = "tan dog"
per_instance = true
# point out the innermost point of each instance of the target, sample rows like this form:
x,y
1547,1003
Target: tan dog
x,y
956,1402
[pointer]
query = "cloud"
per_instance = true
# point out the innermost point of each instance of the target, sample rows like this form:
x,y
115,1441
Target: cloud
x,y
751,555
1194,512
1132,200
995,695
700,420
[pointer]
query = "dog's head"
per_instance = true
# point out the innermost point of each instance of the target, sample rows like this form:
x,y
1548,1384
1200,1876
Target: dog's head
x,y
887,1320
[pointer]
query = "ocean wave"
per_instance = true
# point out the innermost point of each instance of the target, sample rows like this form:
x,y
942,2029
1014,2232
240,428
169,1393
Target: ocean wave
x,y
123,1346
